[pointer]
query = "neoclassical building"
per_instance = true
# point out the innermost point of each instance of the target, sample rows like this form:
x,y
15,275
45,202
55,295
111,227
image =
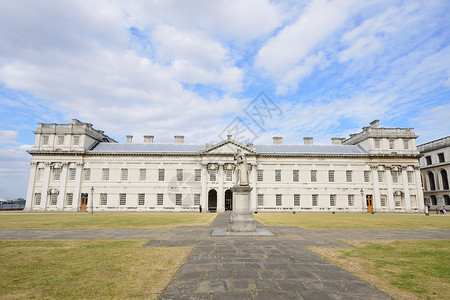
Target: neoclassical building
x,y
435,169
75,166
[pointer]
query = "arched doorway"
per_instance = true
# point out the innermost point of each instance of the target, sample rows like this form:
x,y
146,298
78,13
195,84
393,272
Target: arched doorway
x,y
444,179
228,200
212,200
431,180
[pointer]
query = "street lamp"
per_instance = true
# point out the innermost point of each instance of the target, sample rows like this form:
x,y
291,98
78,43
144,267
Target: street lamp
x,y
91,203
362,200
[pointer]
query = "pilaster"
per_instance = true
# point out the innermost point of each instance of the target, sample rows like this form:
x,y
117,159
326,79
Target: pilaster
x,y
376,188
220,193
76,194
253,193
204,194
62,187
406,189
47,174
30,189
390,191
419,194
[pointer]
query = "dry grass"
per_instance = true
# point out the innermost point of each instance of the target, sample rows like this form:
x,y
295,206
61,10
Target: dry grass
x,y
355,220
102,220
86,269
405,269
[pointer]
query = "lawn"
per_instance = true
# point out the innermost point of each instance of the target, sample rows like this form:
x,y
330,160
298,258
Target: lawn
x,y
405,269
101,220
86,269
355,220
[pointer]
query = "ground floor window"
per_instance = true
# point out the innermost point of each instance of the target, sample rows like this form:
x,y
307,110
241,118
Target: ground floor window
x,y
123,199
398,200
37,198
178,198
315,200
141,199
103,199
351,200
160,199
413,200
260,200
332,200
296,200
278,200
196,199
383,200
54,199
69,198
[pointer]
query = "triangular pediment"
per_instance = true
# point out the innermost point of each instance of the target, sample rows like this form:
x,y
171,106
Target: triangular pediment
x,y
229,147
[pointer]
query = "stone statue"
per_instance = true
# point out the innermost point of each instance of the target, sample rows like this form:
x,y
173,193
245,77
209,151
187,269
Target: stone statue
x,y
241,169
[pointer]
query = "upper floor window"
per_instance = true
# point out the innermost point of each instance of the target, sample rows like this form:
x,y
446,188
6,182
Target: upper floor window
x,y
441,157
349,176
142,174
313,175
366,176
295,175
161,174
380,176
212,175
57,174
260,175
229,175
179,174
76,140
428,159
394,176
406,144
87,174
277,175
105,175
124,174
72,173
45,140
40,174
409,174
331,175
60,140
377,144
198,175
391,144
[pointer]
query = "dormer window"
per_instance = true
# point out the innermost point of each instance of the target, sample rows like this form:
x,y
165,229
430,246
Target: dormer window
x,y
406,144
45,140
377,143
391,144
60,140
76,140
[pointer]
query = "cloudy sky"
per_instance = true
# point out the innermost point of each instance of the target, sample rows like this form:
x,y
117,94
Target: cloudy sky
x,y
193,68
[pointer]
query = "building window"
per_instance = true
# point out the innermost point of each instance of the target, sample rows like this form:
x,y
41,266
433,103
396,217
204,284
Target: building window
x,y
277,175
178,199
124,174
40,174
87,174
54,199
260,175
141,199
76,140
409,174
229,175
297,200
349,176
413,200
123,199
377,143
431,180
45,140
295,175
380,176
394,176
37,198
72,173
406,144
57,174
391,144
212,175
313,175
260,200
331,176
179,174
161,174
398,200
428,159
142,174
160,199
196,199
383,200
198,175
105,175
103,199
366,176
315,198
332,200
351,200
60,140
278,200
69,198
441,157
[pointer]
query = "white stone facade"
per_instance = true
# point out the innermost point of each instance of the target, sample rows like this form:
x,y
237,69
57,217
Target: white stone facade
x,y
435,169
376,169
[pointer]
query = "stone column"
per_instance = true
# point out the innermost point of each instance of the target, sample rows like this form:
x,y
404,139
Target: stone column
x,y
220,193
62,187
30,190
406,189
47,174
204,194
419,196
376,188
390,190
76,194
253,193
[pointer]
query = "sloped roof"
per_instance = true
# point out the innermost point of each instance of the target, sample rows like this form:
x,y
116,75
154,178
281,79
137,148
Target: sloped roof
x,y
146,148
310,149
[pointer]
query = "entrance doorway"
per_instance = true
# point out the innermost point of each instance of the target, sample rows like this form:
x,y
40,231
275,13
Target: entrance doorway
x,y
212,200
228,200
84,201
369,203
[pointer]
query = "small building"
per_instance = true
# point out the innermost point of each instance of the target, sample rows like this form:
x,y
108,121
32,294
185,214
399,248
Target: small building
x,y
435,169
73,164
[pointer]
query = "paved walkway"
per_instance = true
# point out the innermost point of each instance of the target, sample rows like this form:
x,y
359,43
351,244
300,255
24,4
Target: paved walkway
x,y
279,267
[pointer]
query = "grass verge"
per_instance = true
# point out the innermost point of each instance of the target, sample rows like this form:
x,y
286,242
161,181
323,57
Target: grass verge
x,y
355,221
86,269
405,269
102,220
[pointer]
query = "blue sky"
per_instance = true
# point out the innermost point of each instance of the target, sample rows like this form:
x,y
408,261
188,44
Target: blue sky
x,y
192,67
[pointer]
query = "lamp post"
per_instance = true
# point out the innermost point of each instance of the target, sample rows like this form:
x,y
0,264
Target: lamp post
x,y
91,203
362,200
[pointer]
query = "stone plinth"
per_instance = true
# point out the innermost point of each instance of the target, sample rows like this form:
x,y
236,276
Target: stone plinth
x,y
241,219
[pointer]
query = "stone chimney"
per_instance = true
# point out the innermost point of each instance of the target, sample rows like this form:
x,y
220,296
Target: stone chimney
x,y
148,139
375,124
179,139
129,139
308,140
337,141
278,140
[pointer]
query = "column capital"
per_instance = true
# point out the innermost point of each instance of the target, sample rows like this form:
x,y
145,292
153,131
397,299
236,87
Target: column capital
x,y
33,164
79,164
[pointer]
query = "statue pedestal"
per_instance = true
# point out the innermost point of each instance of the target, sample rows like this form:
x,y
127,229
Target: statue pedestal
x,y
241,219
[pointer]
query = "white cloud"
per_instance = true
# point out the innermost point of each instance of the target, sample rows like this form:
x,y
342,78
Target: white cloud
x,y
7,136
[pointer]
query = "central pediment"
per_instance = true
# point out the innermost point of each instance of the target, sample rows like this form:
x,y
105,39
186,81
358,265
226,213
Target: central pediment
x,y
229,147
